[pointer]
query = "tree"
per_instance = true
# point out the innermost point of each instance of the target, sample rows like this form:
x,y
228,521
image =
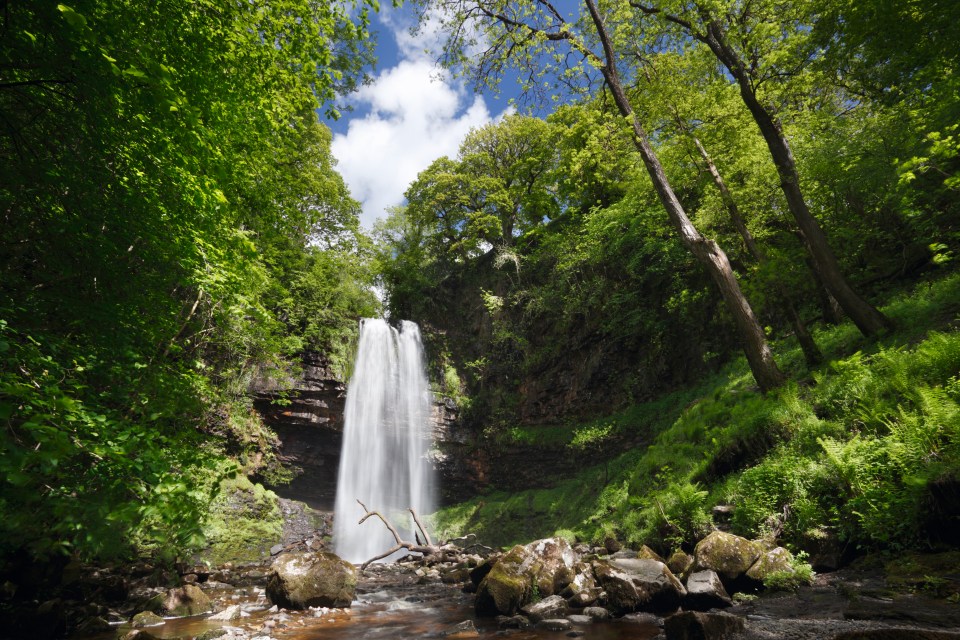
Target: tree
x,y
499,186
536,38
161,165
754,42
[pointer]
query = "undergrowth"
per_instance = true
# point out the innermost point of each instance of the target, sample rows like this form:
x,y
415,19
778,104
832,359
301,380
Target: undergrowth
x,y
849,451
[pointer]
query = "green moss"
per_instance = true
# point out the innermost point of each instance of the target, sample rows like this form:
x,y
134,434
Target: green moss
x,y
245,521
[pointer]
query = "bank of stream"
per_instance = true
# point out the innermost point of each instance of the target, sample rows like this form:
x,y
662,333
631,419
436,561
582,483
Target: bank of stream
x,y
393,601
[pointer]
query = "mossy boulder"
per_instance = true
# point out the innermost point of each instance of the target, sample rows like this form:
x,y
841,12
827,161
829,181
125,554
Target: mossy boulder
x,y
187,600
777,560
540,569
729,555
646,553
145,619
680,563
302,580
245,522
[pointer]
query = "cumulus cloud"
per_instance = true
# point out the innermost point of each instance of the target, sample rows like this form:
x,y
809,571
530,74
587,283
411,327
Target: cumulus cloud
x,y
417,113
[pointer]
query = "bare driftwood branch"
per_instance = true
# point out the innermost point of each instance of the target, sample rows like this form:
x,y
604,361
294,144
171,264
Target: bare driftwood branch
x,y
431,552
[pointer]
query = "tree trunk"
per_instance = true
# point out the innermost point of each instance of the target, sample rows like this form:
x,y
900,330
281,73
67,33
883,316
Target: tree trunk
x,y
868,319
811,352
754,343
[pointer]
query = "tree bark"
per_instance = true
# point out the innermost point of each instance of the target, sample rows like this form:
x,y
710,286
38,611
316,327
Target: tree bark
x,y
754,343
868,318
811,352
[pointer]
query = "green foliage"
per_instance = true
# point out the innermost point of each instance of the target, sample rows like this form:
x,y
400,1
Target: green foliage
x,y
854,454
163,172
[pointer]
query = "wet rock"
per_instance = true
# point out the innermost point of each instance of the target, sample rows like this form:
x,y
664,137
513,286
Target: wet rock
x,y
584,598
146,619
212,634
638,585
705,591
302,580
555,624
465,629
545,567
513,622
776,560
579,619
233,612
550,607
455,575
188,600
729,555
695,625
596,613
623,554
641,618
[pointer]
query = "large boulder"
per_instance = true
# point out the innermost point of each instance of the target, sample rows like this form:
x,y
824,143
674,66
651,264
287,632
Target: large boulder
x,y
302,580
540,569
729,555
694,625
705,592
638,585
187,600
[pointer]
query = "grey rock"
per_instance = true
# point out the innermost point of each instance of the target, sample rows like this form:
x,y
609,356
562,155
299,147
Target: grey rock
x,y
638,585
596,613
302,580
696,625
705,591
550,607
555,624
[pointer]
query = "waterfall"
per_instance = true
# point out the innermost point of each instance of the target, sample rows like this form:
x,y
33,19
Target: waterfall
x,y
386,435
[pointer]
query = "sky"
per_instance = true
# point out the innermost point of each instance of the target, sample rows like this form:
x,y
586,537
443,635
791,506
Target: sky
x,y
411,114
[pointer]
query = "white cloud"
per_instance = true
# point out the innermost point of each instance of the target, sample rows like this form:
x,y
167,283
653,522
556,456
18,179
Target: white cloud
x,y
418,113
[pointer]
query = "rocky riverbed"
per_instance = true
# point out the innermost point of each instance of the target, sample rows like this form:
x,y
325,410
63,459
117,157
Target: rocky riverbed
x,y
864,601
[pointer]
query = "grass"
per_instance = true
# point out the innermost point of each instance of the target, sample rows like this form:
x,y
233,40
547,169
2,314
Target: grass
x,y
849,450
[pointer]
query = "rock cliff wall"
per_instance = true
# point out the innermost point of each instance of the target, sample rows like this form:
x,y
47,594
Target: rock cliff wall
x,y
306,412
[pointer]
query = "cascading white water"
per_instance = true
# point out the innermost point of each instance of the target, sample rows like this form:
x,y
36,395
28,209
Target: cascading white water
x,y
386,435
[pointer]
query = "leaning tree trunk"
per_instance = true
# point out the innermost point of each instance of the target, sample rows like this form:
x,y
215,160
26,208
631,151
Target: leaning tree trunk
x,y
811,352
868,318
708,252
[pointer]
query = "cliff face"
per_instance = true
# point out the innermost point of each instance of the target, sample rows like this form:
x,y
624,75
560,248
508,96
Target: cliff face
x,y
306,412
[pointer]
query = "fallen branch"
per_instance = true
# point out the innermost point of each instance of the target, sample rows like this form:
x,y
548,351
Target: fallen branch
x,y
430,552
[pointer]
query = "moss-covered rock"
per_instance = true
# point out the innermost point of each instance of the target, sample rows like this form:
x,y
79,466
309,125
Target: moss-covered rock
x,y
646,553
245,521
777,560
146,619
540,569
680,563
729,555
301,580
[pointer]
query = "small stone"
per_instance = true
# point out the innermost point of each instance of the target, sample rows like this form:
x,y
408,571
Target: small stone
x,y
551,607
578,618
465,629
596,613
146,619
555,624
513,622
276,549
233,612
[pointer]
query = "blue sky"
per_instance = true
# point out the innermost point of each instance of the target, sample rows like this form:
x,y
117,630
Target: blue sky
x,y
412,113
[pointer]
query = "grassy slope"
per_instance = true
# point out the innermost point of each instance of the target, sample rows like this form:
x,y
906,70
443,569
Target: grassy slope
x,y
850,450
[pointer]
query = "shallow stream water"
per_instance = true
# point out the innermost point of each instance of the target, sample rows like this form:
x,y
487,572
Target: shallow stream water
x,y
391,603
